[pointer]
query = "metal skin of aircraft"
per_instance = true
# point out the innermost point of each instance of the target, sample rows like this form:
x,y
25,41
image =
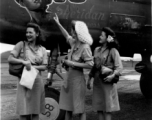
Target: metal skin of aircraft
x,y
130,19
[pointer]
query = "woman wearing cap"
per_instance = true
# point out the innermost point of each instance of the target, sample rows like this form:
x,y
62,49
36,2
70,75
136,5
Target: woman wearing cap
x,y
30,103
72,97
105,96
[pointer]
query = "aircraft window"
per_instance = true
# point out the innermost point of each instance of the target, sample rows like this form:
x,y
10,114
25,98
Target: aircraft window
x,y
59,0
135,1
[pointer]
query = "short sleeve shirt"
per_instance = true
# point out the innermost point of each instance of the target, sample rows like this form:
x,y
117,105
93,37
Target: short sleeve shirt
x,y
113,59
82,54
38,56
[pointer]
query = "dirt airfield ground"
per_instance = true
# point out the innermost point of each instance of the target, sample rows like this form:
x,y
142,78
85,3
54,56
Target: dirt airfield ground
x,y
133,104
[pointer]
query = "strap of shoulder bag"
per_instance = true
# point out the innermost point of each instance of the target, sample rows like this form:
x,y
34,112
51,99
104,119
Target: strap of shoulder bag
x,y
107,57
24,51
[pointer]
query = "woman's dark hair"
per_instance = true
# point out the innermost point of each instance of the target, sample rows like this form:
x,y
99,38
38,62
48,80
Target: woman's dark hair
x,y
110,32
37,29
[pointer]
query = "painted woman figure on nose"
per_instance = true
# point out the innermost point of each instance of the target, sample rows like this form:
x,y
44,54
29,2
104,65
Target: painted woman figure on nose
x,y
37,9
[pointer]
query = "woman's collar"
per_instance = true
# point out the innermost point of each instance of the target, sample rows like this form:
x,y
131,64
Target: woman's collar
x,y
77,45
104,48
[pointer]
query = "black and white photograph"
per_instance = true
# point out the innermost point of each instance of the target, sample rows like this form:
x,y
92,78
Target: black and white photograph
x,y
76,59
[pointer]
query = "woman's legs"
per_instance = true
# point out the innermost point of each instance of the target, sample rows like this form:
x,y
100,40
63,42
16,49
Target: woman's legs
x,y
101,115
68,115
107,115
29,117
25,117
83,116
104,115
35,117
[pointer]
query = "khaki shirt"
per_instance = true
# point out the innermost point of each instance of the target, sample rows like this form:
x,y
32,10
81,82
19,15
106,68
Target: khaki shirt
x,y
113,59
82,53
38,56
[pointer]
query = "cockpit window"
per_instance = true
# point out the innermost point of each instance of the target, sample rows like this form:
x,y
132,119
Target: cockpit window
x,y
136,1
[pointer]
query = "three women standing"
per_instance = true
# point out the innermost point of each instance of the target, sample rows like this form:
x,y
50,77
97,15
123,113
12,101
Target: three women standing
x,y
105,96
30,103
72,97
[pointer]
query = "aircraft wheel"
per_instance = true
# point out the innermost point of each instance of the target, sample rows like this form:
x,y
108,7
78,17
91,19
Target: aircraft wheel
x,y
52,110
146,85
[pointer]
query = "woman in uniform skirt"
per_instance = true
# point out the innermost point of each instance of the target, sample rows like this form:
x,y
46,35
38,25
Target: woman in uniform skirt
x,y
105,95
30,103
72,97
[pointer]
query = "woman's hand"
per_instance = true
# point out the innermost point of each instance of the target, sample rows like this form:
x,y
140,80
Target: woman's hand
x,y
56,18
109,78
27,64
38,60
40,67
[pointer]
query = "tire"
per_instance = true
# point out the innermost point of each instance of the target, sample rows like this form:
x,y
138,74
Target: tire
x,y
53,112
146,85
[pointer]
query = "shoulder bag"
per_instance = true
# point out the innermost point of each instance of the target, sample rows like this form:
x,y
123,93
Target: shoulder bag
x,y
105,71
16,69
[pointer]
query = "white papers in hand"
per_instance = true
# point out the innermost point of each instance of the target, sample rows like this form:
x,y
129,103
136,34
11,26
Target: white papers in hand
x,y
28,77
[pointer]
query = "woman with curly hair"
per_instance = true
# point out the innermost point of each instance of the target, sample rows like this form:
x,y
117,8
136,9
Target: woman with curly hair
x,y
30,102
105,96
